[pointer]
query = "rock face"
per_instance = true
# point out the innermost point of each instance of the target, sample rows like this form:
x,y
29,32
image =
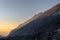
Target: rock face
x,y
42,26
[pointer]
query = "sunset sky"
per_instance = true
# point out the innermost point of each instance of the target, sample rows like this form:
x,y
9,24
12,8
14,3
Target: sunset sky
x,y
15,12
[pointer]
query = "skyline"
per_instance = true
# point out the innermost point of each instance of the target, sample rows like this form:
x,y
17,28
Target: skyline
x,y
15,12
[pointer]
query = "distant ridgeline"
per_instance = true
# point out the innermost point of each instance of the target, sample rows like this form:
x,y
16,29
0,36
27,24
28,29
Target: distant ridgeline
x,y
43,26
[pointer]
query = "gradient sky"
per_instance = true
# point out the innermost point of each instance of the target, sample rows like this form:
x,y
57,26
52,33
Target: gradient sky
x,y
14,12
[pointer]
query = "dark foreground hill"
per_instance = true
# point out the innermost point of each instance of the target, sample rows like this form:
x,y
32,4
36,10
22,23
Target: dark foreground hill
x,y
43,26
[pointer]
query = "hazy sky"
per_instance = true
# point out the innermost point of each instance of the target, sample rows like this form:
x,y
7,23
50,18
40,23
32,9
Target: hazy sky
x,y
13,12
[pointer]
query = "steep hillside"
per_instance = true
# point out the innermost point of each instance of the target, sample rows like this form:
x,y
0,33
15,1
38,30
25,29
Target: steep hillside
x,y
42,26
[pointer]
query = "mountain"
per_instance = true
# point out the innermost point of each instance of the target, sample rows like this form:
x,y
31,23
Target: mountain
x,y
42,26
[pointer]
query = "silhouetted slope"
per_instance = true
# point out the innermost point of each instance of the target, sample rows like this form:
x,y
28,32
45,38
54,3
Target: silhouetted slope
x,y
42,26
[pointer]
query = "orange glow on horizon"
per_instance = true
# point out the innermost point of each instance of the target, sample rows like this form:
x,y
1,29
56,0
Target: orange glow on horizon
x,y
6,27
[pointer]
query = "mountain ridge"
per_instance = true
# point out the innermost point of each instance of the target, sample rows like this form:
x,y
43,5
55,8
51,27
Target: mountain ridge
x,y
42,26
41,14
45,14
